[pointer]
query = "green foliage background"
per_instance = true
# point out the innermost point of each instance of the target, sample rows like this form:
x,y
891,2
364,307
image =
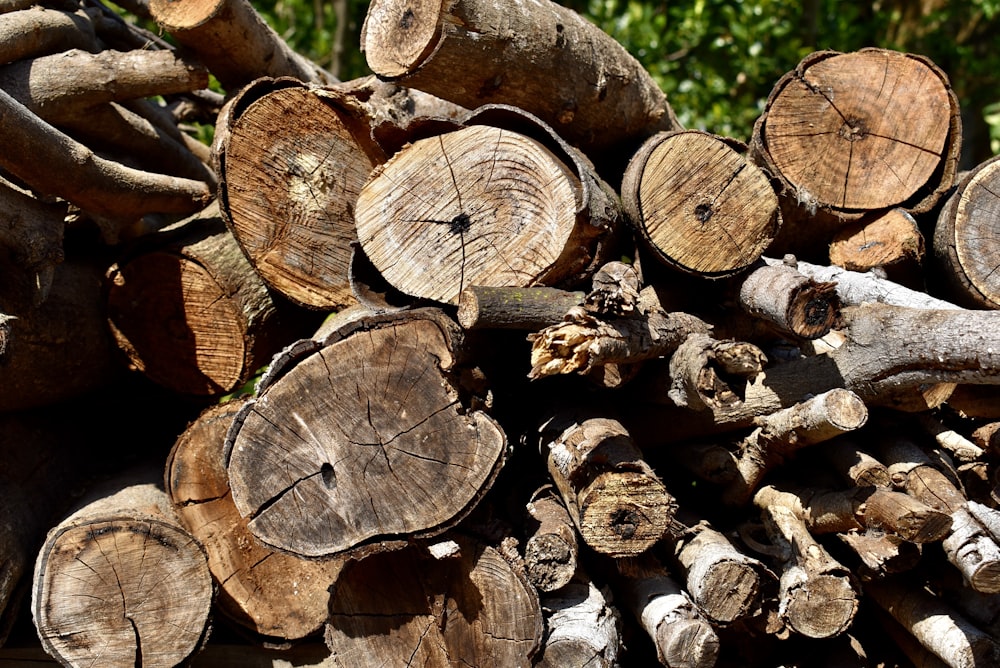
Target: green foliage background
x,y
717,60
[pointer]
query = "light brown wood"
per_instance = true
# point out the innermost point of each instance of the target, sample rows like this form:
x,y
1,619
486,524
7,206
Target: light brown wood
x,y
888,239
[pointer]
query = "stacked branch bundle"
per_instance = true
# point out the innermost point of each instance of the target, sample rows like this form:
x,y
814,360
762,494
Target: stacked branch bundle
x,y
484,359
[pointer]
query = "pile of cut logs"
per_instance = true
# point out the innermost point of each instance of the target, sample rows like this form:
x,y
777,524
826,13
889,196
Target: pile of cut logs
x,y
484,359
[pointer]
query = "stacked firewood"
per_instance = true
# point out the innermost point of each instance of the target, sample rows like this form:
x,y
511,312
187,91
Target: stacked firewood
x,y
485,360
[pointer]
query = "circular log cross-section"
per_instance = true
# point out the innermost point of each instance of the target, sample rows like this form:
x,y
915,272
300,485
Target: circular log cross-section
x,y
291,171
699,204
967,237
365,439
859,131
477,206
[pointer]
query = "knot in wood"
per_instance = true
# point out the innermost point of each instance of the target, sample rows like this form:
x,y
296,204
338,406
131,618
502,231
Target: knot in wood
x,y
854,129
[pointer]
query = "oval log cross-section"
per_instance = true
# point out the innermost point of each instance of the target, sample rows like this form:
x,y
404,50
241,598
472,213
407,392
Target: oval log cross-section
x,y
699,204
366,438
859,131
477,206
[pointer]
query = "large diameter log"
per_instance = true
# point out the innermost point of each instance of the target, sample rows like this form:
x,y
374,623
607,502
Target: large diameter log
x,y
189,311
292,160
276,595
470,607
482,206
848,133
344,429
541,57
699,204
965,246
120,583
233,41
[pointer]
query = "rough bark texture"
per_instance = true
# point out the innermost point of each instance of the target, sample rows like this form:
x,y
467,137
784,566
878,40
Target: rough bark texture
x,y
376,412
582,627
551,550
541,57
789,300
699,204
531,309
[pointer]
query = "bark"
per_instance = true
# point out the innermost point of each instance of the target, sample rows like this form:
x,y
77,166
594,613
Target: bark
x,y
32,233
618,504
726,584
817,594
703,369
61,86
233,41
58,349
541,57
37,31
792,302
698,203
965,250
584,342
551,550
52,163
275,595
880,555
486,205
189,312
119,582
848,133
856,465
582,627
473,607
959,447
938,627
890,239
683,638
497,307
398,417
292,161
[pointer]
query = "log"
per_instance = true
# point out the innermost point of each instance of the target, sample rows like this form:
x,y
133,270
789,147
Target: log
x,y
233,41
472,606
398,417
618,504
498,307
119,582
32,236
541,57
699,204
292,160
891,240
38,31
965,253
275,595
189,312
551,549
849,133
582,627
485,205
790,301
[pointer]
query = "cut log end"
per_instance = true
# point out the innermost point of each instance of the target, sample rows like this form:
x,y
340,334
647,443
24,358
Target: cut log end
x,y
822,607
399,34
624,513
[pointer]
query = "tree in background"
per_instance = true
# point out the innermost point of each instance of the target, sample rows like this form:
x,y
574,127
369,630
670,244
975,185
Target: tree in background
x,y
717,60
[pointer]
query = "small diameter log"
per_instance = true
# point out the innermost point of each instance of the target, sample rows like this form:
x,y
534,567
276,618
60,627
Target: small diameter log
x,y
483,205
540,57
64,85
855,465
683,638
848,133
817,595
702,371
54,164
957,446
890,239
233,41
619,505
120,583
38,31
584,342
58,349
472,607
789,300
699,204
191,314
498,307
276,595
582,627
292,160
965,248
551,550
937,626
970,547
726,584
342,429
880,555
